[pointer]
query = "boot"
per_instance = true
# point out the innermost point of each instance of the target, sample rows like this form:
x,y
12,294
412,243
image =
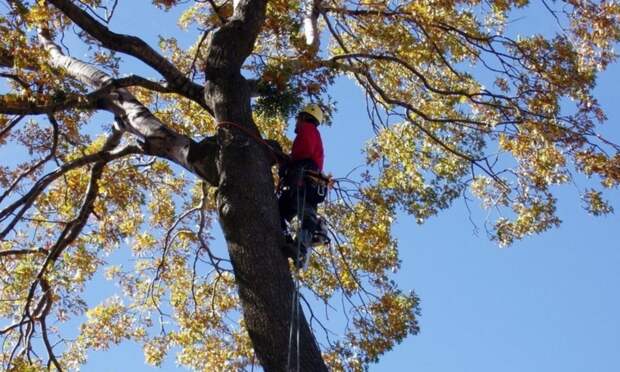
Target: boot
x,y
289,248
304,244
321,234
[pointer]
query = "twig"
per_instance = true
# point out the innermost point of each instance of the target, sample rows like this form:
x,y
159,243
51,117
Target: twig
x,y
37,165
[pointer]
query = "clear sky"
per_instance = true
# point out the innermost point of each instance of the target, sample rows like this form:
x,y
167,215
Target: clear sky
x,y
548,303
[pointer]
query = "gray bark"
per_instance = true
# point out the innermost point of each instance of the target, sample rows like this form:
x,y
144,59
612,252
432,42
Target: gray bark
x,y
311,31
135,118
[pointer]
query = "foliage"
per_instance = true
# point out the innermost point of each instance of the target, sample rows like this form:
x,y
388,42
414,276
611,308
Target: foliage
x,y
441,134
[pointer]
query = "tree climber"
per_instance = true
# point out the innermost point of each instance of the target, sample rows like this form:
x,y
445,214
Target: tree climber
x,y
302,186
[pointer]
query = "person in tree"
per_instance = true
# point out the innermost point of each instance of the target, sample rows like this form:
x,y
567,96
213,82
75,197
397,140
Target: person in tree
x,y
302,185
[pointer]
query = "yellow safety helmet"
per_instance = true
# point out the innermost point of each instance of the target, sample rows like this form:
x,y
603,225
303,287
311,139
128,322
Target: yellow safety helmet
x,y
314,110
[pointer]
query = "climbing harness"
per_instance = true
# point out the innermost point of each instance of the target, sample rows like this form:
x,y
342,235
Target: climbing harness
x,y
323,183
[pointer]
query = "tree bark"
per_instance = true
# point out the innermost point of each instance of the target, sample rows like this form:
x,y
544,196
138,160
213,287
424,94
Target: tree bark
x,y
158,139
247,205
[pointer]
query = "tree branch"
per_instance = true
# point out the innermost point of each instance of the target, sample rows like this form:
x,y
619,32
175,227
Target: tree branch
x,y
10,126
47,295
66,237
159,140
241,31
16,79
135,47
21,252
36,166
6,58
311,32
139,81
26,201
17,105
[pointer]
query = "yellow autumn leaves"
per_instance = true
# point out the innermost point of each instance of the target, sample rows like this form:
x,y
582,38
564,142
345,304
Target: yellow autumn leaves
x,y
445,135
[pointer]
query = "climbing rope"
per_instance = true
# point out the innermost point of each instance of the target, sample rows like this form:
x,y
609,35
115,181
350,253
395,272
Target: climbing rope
x,y
295,306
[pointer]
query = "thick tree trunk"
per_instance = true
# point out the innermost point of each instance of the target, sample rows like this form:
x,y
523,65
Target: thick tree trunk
x,y
247,205
250,221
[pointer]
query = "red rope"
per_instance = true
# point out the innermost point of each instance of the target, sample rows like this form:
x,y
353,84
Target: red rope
x,y
257,138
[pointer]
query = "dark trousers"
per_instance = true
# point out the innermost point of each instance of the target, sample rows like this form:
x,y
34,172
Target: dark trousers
x,y
298,198
292,203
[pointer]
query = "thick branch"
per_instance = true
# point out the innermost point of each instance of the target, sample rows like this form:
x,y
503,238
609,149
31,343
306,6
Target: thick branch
x,y
234,41
21,252
11,105
159,140
135,47
6,58
311,15
135,80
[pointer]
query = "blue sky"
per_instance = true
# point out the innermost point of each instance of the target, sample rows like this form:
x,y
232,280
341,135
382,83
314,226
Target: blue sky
x,y
548,303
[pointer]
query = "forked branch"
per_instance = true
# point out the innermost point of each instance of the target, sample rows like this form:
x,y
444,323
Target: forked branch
x,y
135,47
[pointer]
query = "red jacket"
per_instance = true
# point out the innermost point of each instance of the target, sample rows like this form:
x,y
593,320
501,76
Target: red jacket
x,y
308,145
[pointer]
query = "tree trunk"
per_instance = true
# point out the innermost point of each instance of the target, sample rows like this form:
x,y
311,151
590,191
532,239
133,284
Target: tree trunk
x,y
250,221
246,201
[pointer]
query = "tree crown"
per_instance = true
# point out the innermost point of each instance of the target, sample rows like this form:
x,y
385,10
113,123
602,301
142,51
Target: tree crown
x,y
460,107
